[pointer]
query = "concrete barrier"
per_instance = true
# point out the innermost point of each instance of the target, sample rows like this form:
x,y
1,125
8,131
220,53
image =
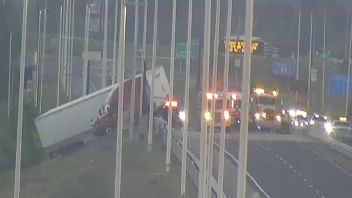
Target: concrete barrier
x,y
318,132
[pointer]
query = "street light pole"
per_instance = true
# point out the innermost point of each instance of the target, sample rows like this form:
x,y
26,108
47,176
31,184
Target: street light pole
x,y
114,45
310,59
10,77
151,100
86,49
348,72
171,96
224,103
203,136
105,44
143,55
134,67
42,62
324,64
122,40
38,60
242,167
214,90
64,80
17,184
298,49
71,49
185,127
59,61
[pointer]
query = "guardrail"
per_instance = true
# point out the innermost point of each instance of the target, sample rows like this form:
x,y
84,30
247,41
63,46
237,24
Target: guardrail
x,y
193,168
193,165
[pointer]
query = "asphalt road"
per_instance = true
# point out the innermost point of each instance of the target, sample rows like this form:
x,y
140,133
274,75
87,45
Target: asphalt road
x,y
288,166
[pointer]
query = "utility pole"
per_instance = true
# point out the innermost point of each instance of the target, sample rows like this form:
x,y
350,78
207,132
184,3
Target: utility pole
x,y
42,62
17,183
59,61
348,72
122,40
105,44
202,182
213,101
224,104
134,68
324,64
185,127
310,59
242,166
143,55
10,78
171,96
151,100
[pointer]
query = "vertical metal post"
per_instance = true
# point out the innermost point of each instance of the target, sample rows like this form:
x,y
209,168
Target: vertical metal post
x,y
122,41
59,61
186,105
324,64
17,184
134,67
71,49
224,104
114,48
203,136
38,60
66,45
242,167
143,54
86,49
172,71
105,44
310,59
42,62
10,77
298,49
298,44
214,90
348,72
151,100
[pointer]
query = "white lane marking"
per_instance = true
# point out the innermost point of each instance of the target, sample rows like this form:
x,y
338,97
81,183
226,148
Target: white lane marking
x,y
248,174
322,197
285,162
329,160
294,170
317,191
310,186
305,180
299,174
276,155
290,166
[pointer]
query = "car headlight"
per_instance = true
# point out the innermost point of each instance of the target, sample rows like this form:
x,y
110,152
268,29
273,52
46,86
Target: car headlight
x,y
257,116
328,128
311,122
182,115
227,115
296,123
278,118
264,115
207,116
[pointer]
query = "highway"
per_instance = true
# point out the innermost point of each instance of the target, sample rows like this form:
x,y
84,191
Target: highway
x,y
289,166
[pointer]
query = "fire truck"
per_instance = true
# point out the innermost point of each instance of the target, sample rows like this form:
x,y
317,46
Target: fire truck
x,y
233,107
264,111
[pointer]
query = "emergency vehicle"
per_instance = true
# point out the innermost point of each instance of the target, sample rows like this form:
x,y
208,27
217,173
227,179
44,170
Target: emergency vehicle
x,y
264,112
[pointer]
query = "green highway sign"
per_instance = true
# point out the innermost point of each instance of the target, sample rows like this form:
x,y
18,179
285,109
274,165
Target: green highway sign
x,y
181,50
